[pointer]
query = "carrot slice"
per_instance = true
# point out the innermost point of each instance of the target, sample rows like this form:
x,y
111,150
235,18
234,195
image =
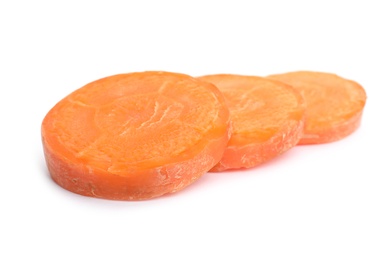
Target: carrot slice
x,y
267,118
334,104
135,136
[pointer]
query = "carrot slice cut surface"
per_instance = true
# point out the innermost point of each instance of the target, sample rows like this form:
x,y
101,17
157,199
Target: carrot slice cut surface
x,y
334,104
135,136
267,118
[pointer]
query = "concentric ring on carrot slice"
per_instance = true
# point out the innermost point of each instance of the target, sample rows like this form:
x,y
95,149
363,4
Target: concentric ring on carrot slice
x,y
267,118
334,104
135,136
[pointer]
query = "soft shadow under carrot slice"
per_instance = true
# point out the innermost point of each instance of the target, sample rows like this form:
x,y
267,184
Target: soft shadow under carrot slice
x,y
334,104
135,136
267,118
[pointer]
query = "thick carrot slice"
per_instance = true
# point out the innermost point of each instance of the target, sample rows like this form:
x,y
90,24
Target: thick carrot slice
x,y
334,104
135,136
267,118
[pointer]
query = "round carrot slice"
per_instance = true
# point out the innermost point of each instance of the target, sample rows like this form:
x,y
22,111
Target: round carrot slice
x,y
334,104
267,118
135,136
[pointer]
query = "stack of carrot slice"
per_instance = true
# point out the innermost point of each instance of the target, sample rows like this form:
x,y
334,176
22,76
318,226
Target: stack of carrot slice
x,y
141,135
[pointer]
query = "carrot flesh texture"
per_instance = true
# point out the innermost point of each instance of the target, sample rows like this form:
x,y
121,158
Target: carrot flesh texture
x,y
334,104
135,136
267,118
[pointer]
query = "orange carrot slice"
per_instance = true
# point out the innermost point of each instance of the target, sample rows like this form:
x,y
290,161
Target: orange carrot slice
x,y
135,136
267,118
334,104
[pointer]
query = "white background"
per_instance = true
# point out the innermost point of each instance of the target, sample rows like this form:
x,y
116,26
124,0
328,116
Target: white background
x,y
314,202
